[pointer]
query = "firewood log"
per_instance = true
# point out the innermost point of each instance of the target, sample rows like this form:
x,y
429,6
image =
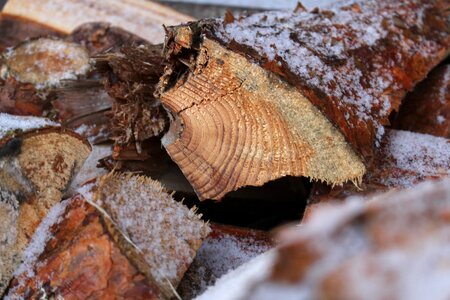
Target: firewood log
x,y
167,233
157,239
38,161
34,66
226,248
427,108
404,159
15,30
100,37
77,253
390,246
143,18
255,98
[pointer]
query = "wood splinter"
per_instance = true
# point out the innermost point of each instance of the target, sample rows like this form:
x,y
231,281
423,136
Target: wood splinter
x,y
308,94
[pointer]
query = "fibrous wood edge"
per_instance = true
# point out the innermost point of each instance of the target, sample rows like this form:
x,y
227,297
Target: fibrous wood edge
x,y
354,60
235,124
37,166
403,160
143,18
166,234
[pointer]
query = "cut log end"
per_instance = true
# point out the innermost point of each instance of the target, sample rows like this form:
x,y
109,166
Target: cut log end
x,y
166,232
45,62
36,167
236,124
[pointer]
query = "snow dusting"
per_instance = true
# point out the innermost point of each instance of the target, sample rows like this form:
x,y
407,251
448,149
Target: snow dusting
x,y
9,124
219,254
386,249
166,232
234,284
335,52
39,240
45,62
411,157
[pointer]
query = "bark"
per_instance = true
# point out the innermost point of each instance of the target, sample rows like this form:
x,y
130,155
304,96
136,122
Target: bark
x,y
167,233
303,94
142,18
136,116
82,257
38,161
353,250
100,37
427,108
404,160
225,249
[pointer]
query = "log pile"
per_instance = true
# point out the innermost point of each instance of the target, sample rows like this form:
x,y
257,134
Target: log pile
x,y
127,165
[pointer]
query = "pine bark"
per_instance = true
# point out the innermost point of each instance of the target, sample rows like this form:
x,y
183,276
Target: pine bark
x,y
427,108
256,98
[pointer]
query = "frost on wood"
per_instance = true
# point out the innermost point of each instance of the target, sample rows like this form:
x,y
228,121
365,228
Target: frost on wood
x,y
225,249
76,253
44,62
10,124
403,160
392,246
355,62
166,232
37,161
233,285
427,108
245,83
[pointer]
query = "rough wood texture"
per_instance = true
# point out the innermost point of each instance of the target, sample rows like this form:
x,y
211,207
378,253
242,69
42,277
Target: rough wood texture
x,y
82,106
166,233
403,160
235,123
14,30
100,37
225,249
38,160
427,108
386,248
45,62
132,74
354,62
143,18
80,257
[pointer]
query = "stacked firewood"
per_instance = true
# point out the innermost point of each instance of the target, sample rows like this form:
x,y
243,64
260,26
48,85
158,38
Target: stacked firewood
x,y
120,156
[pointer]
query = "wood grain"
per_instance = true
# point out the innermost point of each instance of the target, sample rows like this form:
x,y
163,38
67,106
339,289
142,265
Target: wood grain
x,y
143,18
